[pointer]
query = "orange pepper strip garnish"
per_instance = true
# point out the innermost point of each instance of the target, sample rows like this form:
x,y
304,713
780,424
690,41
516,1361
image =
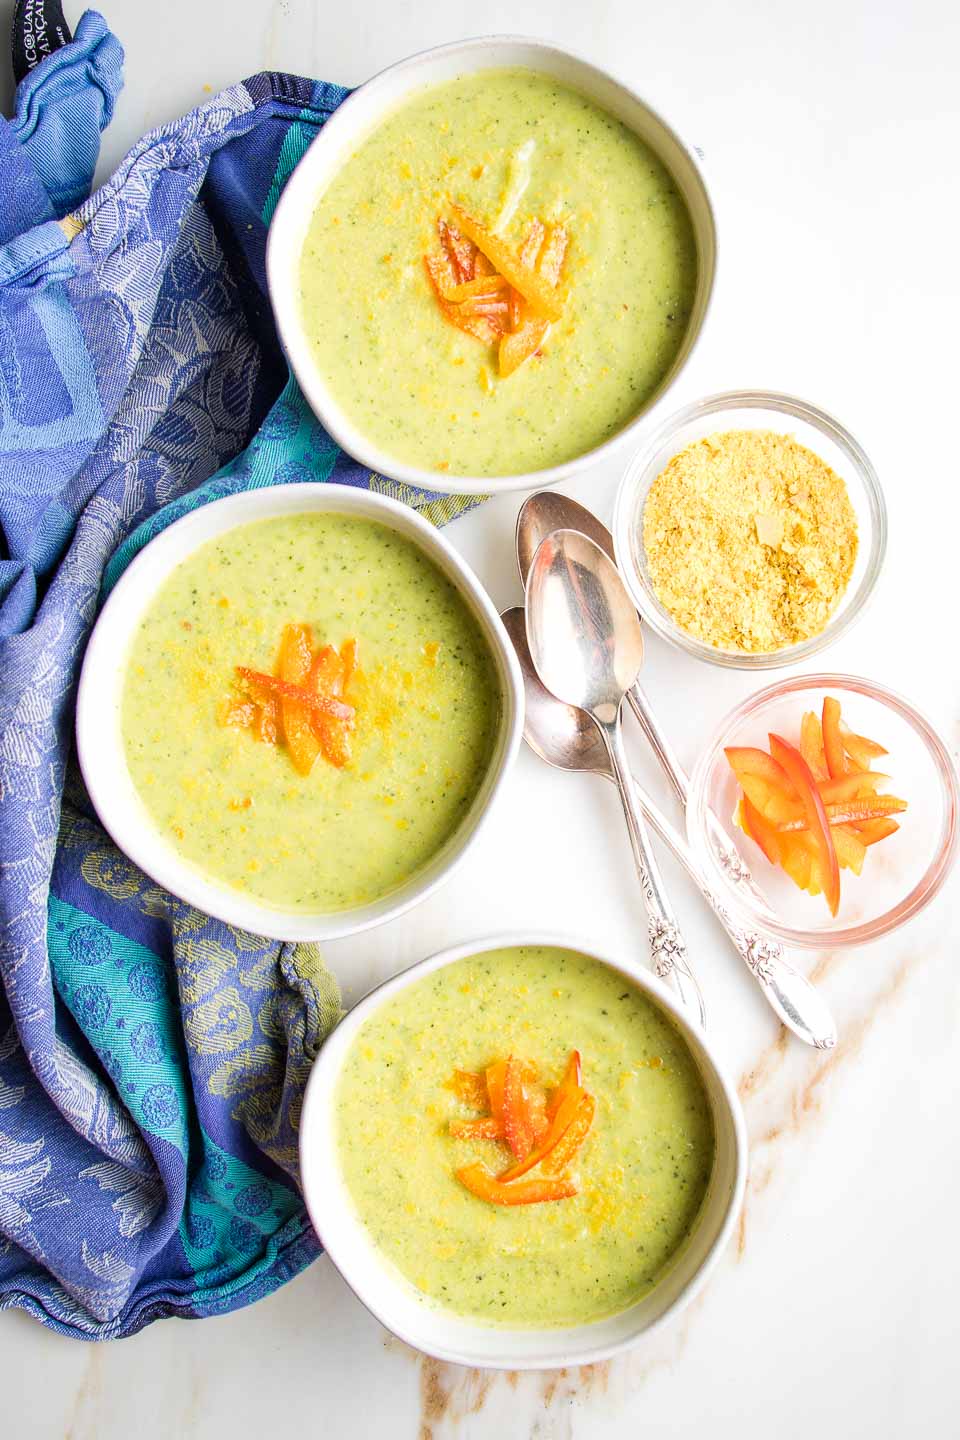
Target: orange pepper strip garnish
x,y
477,325
569,1085
539,294
268,727
868,807
832,739
556,1160
518,346
798,773
469,1088
486,1128
296,658
327,676
461,251
485,305
515,312
561,1119
485,1186
494,285
282,689
517,1123
537,1104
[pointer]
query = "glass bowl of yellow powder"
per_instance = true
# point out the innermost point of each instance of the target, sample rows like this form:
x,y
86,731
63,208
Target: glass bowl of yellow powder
x,y
750,529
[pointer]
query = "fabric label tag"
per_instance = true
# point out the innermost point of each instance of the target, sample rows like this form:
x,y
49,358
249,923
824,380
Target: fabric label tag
x,y
38,29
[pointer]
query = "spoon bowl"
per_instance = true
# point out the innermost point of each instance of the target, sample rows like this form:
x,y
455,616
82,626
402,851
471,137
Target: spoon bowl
x,y
545,512
582,627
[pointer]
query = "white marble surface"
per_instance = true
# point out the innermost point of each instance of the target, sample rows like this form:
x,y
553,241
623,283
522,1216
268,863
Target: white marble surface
x,y
831,132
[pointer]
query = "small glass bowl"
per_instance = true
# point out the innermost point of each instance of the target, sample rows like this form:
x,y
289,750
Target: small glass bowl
x,y
751,410
900,875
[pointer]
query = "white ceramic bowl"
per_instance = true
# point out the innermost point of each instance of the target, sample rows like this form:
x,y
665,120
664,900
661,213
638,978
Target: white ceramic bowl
x,y
402,1309
354,121
100,745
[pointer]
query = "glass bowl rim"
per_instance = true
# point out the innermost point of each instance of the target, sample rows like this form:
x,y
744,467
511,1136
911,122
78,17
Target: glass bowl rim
x,y
909,905
625,509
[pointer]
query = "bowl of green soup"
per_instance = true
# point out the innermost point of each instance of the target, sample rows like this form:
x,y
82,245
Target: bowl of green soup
x,y
522,1153
489,266
297,708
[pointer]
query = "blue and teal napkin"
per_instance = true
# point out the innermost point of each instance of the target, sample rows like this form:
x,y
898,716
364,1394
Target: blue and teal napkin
x,y
152,1060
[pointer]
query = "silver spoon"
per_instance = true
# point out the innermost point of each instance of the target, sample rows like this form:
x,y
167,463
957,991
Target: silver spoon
x,y
585,641
539,516
568,739
545,512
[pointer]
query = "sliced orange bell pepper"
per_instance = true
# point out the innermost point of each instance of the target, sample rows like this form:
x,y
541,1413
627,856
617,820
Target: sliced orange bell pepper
x,y
872,831
485,1128
469,1088
859,785
798,772
869,807
268,721
440,273
296,658
272,688
811,746
832,739
562,1118
851,851
483,285
861,750
796,859
485,1186
538,293
461,252
519,345
764,782
517,1122
761,831
569,1084
556,1160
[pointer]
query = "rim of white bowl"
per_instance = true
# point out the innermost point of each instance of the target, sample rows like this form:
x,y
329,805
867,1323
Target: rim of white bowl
x,y
99,744
316,1178
298,202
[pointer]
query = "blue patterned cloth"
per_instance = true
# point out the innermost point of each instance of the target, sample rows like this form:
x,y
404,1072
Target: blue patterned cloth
x,y
152,1060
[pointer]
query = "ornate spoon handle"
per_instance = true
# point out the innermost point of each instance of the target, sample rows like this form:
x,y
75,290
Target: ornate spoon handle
x,y
790,995
680,780
668,950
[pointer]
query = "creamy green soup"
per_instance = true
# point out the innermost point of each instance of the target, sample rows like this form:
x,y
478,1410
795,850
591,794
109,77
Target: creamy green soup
x,y
425,727
642,1172
422,390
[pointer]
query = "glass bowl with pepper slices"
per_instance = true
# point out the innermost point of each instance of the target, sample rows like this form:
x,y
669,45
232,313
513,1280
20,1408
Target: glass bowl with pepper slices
x,y
839,799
